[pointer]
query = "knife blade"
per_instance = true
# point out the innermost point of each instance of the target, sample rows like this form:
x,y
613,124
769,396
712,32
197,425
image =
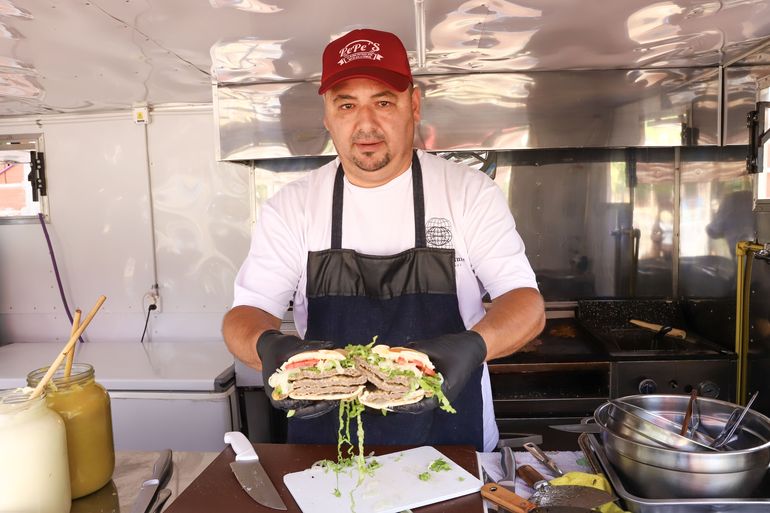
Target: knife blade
x,y
163,496
250,473
508,466
161,472
578,428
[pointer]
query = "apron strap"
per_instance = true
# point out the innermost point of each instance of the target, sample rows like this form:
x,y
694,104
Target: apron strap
x,y
417,196
339,189
419,203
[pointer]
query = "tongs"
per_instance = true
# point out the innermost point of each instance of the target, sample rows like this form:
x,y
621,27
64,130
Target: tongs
x,y
731,426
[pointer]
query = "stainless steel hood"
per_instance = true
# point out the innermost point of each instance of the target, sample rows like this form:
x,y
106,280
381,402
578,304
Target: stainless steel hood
x,y
503,74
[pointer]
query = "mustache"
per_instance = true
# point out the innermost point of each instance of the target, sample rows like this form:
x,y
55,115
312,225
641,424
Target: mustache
x,y
369,137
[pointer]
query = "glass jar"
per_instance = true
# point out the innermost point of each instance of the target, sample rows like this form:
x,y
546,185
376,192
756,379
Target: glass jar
x,y
34,476
85,407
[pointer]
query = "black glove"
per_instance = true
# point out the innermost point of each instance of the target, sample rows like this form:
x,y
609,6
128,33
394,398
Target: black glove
x,y
456,356
274,348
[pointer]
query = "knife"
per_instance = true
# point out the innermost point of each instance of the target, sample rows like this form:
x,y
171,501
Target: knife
x,y
250,473
161,472
578,428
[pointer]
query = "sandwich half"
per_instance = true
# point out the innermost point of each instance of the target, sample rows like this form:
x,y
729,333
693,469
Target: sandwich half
x,y
317,375
397,376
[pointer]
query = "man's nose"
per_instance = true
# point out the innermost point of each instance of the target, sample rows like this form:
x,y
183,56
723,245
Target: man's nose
x,y
367,116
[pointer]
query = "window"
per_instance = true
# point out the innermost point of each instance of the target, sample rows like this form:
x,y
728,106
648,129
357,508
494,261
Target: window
x,y
762,185
22,178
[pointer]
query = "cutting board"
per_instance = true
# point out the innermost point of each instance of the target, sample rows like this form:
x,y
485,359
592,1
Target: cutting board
x,y
394,486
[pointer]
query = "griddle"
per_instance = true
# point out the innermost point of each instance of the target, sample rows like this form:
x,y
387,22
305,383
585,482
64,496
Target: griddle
x,y
561,341
607,321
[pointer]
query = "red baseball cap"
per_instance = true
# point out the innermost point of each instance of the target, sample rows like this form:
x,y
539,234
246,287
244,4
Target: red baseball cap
x,y
366,53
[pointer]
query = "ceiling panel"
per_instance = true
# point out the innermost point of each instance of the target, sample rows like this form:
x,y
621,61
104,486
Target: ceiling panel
x,y
59,56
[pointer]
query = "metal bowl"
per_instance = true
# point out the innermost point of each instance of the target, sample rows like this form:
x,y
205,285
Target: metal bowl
x,y
636,423
753,432
664,473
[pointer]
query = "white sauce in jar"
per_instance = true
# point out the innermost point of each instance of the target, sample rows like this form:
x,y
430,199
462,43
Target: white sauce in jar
x,y
34,474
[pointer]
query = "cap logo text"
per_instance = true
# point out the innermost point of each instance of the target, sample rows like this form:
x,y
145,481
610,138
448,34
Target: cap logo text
x,y
360,49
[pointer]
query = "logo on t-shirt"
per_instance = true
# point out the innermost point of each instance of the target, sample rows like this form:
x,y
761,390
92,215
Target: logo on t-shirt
x,y
438,233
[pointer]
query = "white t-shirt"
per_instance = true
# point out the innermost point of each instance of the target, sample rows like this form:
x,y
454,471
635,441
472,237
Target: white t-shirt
x,y
464,210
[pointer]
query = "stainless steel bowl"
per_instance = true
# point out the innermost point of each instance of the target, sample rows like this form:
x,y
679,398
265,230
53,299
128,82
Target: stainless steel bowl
x,y
663,473
636,423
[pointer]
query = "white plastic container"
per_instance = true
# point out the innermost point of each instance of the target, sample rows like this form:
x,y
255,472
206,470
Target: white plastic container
x,y
34,473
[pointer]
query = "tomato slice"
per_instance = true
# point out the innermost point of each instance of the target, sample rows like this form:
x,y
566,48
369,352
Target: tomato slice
x,y
425,370
302,363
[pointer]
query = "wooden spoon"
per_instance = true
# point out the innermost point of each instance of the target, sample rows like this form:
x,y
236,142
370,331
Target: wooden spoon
x,y
71,352
71,342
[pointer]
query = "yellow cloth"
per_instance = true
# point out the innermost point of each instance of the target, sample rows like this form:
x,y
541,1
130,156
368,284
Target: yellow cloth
x,y
592,480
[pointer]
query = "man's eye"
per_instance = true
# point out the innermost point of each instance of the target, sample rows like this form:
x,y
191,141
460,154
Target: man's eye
x,y
346,106
384,103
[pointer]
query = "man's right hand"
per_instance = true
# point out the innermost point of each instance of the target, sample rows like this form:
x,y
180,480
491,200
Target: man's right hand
x,y
274,348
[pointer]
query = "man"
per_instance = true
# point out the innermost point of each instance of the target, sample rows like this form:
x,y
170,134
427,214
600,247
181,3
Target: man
x,y
390,242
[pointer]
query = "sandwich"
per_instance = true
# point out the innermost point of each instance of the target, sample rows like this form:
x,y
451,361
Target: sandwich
x,y
397,376
317,375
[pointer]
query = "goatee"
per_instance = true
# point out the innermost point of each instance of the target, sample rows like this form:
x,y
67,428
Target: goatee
x,y
370,165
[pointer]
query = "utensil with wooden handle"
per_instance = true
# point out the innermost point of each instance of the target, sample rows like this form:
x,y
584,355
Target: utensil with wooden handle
x,y
680,334
543,458
71,352
688,413
546,494
508,500
71,342
674,332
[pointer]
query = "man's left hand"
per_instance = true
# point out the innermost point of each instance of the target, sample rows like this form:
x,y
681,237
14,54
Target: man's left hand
x,y
455,356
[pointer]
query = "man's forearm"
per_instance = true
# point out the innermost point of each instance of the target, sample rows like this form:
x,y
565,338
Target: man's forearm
x,y
511,321
241,328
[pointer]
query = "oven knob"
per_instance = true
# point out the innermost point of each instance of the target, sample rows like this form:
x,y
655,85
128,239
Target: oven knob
x,y
708,389
648,386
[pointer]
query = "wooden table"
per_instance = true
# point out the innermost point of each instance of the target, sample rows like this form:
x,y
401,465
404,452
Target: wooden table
x,y
216,489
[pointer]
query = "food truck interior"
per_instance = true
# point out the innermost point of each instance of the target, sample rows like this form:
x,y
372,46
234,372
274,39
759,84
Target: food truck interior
x,y
631,147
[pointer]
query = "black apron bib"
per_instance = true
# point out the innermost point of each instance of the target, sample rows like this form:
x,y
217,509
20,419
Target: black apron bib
x,y
399,298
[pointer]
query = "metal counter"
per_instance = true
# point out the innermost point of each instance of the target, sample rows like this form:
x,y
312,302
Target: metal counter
x,y
131,469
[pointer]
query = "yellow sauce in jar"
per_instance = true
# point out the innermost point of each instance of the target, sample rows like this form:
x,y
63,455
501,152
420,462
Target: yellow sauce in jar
x,y
84,405
34,476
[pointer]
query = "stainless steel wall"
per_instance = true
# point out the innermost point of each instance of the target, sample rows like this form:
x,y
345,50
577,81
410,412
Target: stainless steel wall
x,y
546,109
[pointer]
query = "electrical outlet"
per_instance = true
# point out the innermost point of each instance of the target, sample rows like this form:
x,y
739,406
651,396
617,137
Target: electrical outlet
x,y
151,298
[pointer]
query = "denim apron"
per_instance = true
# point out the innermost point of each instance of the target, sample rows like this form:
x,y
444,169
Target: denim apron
x,y
399,298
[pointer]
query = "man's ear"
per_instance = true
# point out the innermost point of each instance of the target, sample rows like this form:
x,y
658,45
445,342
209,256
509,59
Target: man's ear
x,y
416,104
326,126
